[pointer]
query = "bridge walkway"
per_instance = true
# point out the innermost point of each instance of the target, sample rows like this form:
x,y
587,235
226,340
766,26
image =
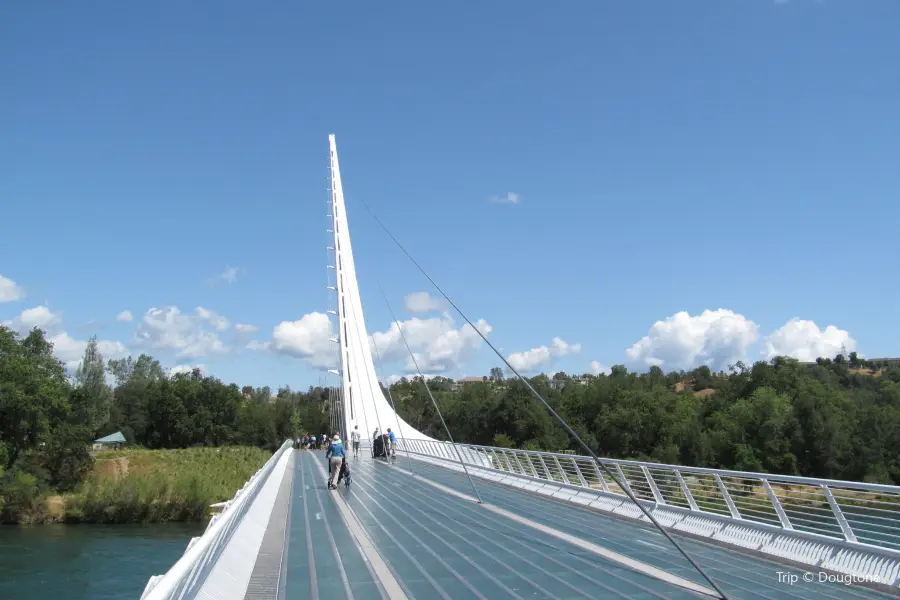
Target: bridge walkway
x,y
436,544
741,575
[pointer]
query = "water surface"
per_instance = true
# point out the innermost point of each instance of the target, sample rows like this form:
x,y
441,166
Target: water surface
x,y
81,562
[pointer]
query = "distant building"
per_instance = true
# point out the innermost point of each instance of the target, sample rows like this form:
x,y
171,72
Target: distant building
x,y
457,385
109,442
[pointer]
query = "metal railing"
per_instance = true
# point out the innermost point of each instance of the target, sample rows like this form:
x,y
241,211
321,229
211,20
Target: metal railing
x,y
202,551
862,515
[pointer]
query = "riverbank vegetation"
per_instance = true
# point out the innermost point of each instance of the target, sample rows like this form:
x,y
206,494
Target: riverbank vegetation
x,y
835,418
48,421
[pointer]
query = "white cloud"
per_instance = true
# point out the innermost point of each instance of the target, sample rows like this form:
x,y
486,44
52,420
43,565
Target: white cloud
x,y
190,336
392,379
715,338
537,358
10,291
308,338
437,344
125,316
185,369
804,341
245,328
66,348
71,351
229,275
39,316
598,368
422,302
217,321
509,198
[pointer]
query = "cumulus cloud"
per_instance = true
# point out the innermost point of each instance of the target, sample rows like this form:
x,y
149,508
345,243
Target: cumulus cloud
x,y
598,368
10,291
188,335
308,338
804,341
71,351
246,328
66,348
422,302
437,344
715,338
540,357
508,198
125,316
177,369
392,379
229,275
39,316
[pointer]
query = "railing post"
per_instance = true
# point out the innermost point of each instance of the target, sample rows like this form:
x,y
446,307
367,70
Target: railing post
x,y
603,485
581,478
779,510
657,496
532,472
686,491
735,514
546,470
621,474
516,457
839,515
562,473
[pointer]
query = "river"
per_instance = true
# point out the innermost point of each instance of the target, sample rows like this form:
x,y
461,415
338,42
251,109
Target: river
x,y
82,562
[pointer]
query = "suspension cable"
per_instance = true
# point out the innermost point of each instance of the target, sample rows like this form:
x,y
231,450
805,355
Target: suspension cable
x,y
546,404
433,401
409,461
424,382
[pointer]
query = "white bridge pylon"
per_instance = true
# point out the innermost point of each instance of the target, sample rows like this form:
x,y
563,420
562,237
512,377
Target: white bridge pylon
x,y
363,403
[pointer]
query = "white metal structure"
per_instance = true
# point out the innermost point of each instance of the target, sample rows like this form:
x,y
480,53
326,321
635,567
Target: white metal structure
x,y
842,527
218,564
363,402
846,527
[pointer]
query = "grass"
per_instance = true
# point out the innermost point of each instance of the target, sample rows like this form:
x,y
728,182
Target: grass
x,y
154,486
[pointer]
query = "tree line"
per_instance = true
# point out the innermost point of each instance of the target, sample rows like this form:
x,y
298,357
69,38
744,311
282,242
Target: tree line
x,y
836,418
48,420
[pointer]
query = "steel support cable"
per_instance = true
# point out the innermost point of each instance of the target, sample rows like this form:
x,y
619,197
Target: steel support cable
x,y
427,389
391,398
625,488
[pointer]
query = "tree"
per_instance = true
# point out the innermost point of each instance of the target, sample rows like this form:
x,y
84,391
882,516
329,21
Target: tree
x,y
91,379
496,374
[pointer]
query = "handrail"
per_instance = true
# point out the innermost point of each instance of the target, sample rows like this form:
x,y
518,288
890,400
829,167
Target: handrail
x,y
170,585
862,515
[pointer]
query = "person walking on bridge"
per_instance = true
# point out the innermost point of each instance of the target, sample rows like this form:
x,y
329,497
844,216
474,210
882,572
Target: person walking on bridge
x,y
393,440
355,438
335,456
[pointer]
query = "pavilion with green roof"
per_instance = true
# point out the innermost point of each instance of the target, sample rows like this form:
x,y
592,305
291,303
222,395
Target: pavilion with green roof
x,y
111,441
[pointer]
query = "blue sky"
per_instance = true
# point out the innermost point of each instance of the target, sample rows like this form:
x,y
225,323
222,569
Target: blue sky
x,y
666,157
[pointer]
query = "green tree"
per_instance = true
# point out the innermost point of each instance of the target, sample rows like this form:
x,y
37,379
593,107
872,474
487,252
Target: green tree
x,y
90,377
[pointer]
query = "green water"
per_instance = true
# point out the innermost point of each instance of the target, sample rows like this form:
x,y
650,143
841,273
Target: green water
x,y
81,562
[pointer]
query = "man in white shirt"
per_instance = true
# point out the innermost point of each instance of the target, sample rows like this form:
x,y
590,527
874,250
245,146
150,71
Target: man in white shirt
x,y
355,438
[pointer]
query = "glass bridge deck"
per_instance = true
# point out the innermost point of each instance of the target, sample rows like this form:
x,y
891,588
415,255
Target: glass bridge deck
x,y
438,545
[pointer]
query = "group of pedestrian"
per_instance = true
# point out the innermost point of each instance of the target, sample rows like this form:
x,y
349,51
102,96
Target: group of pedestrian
x,y
384,444
312,442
